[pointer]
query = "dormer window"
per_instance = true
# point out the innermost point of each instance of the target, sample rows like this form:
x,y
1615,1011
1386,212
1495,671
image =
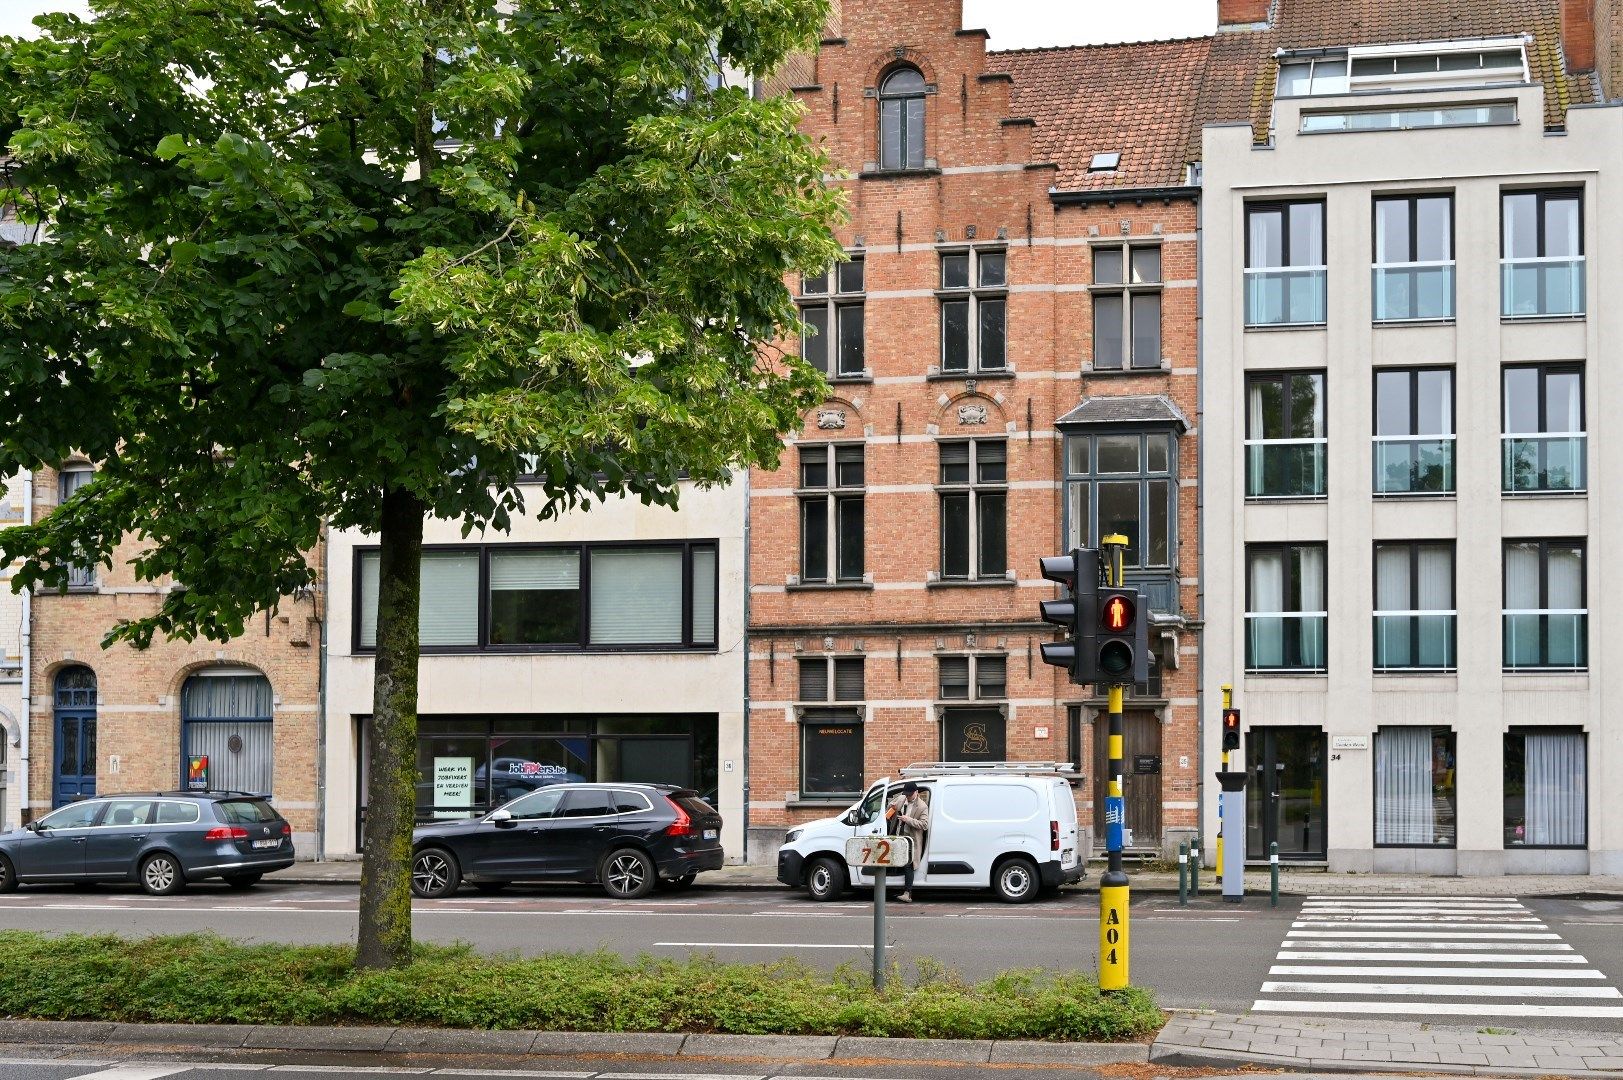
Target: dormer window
x,y
901,120
1414,66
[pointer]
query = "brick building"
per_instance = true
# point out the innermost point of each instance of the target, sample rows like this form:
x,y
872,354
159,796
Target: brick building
x,y
1012,351
122,719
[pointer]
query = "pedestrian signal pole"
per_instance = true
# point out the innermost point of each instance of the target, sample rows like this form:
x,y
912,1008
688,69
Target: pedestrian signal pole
x,y
1118,659
1230,742
1231,805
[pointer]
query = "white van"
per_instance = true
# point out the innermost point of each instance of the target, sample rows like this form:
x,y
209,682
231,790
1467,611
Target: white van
x,y
1010,826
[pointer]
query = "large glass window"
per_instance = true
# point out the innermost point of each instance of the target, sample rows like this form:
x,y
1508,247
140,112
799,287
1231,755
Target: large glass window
x,y
901,120
974,505
1544,439
1546,789
1414,431
1414,257
1542,254
1126,484
1546,622
1285,435
591,596
1414,787
1285,611
831,512
1126,306
68,481
1414,606
831,754
833,320
1284,264
974,311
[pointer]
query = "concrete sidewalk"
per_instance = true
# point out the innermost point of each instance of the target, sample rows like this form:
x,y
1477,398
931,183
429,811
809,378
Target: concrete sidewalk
x,y
1291,882
1218,1040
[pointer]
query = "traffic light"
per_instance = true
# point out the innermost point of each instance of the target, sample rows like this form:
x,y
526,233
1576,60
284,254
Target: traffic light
x,y
1231,729
1078,571
1122,652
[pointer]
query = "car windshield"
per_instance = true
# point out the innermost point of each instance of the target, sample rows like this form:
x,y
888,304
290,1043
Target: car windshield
x,y
245,811
539,804
76,816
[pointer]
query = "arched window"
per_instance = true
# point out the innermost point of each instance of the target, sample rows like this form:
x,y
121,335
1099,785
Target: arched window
x,y
901,120
226,728
74,763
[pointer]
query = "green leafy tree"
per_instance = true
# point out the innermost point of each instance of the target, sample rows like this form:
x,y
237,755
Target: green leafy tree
x,y
359,261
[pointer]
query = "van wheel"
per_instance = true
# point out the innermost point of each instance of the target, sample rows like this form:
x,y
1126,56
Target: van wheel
x,y
1015,881
825,879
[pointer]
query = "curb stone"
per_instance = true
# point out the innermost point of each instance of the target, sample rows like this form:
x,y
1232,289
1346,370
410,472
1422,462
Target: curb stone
x,y
571,1043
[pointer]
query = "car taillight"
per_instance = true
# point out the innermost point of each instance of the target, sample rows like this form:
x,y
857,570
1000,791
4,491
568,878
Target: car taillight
x,y
683,825
227,832
1053,836
287,830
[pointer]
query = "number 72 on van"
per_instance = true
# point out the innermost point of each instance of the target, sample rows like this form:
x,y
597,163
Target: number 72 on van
x,y
879,850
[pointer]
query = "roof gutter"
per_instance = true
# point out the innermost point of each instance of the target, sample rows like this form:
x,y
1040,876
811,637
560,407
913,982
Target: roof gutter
x,y
1115,195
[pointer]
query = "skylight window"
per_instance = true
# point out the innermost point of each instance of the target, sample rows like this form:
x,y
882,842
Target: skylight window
x,y
1105,162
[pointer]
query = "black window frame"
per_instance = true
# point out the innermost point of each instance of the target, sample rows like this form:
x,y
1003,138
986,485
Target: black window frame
x,y
1454,791
1543,196
1127,290
835,499
1544,370
812,719
1283,208
951,714
1288,643
836,302
1413,547
1452,437
976,491
1283,377
972,295
1521,732
1412,201
909,157
583,644
1085,535
1544,544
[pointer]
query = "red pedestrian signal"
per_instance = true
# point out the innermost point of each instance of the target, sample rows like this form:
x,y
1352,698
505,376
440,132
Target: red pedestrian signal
x,y
1122,649
1231,729
1117,614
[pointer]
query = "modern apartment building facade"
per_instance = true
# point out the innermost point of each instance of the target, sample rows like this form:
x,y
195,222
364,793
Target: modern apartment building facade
x,y
1011,348
601,645
1407,259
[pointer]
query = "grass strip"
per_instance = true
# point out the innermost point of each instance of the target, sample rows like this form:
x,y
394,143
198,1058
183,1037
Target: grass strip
x,y
201,978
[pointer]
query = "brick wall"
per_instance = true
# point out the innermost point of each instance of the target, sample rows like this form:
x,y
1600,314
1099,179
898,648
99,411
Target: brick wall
x,y
1607,19
987,187
138,691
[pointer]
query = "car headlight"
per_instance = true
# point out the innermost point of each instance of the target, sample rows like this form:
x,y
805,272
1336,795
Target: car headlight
x,y
794,834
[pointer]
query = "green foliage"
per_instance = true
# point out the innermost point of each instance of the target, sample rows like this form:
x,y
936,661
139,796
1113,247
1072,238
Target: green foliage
x,y
303,253
202,979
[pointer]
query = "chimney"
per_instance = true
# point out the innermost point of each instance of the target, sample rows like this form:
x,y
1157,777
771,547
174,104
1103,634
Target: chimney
x,y
1245,12
1577,34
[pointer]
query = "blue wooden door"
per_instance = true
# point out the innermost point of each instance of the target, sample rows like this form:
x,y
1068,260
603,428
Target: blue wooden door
x,y
75,756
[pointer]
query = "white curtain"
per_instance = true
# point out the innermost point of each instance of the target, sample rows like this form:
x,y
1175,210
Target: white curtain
x,y
1566,632
1392,593
1310,579
636,597
1267,595
1435,592
1403,807
448,608
1521,594
1255,429
1556,797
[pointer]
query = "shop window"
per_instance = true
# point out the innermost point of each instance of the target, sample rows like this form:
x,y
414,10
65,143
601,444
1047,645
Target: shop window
x,y
1546,789
1414,787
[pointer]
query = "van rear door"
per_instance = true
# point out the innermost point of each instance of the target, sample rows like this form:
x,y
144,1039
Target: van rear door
x,y
1064,812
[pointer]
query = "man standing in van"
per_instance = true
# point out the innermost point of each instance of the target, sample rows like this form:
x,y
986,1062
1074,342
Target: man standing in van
x,y
912,820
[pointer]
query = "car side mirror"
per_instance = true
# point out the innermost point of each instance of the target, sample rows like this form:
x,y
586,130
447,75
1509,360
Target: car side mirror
x,y
855,816
502,819
35,827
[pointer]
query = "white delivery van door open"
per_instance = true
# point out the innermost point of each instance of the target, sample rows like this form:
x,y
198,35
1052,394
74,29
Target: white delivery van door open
x,y
867,818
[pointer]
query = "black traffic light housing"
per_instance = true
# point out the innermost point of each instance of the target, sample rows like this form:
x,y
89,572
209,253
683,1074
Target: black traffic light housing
x,y
1231,729
1122,648
1078,572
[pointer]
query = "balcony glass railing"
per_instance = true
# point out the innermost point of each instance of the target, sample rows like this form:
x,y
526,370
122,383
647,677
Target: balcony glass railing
x,y
1414,641
1284,296
1284,468
1542,287
1544,462
1406,465
1285,640
1555,639
1418,290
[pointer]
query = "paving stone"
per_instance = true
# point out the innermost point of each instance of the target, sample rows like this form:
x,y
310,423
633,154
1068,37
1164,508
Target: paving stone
x,y
607,1042
785,1047
1367,1055
1048,1053
1225,1042
1605,1062
1560,1061
455,1041
965,1050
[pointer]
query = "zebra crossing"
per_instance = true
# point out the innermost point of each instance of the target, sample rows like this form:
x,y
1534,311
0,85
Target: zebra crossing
x,y
1437,956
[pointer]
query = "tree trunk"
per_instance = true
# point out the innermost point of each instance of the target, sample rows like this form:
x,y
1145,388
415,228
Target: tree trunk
x,y
385,905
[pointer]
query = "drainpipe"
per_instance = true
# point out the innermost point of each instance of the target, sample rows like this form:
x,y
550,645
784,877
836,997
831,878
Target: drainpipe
x,y
1200,515
745,764
323,591
23,721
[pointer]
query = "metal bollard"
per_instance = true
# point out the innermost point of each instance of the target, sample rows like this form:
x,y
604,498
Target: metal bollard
x,y
1273,874
1194,866
1183,874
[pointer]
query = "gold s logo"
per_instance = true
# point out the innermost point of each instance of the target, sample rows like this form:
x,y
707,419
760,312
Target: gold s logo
x,y
975,739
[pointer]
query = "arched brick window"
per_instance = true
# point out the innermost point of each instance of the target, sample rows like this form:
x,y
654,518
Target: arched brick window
x,y
901,120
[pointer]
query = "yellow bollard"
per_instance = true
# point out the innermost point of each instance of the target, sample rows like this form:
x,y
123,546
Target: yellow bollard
x,y
1113,937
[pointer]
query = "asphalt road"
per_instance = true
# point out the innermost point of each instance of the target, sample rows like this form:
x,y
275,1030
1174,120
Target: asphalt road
x,y
1209,955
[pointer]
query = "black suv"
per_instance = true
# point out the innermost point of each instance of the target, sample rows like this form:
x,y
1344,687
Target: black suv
x,y
161,839
628,837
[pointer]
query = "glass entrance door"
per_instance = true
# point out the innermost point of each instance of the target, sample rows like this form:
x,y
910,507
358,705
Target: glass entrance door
x,y
1285,798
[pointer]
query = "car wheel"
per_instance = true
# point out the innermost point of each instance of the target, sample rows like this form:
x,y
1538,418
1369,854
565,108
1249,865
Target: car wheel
x,y
1015,881
8,876
677,884
490,886
825,879
628,874
161,875
434,874
242,881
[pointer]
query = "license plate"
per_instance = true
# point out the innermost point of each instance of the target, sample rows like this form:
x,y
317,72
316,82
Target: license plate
x,y
267,843
1067,856
710,834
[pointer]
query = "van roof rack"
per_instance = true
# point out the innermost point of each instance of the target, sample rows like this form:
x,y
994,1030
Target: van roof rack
x,y
1010,768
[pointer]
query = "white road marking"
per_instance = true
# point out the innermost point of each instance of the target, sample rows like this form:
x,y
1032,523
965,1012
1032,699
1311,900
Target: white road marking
x,y
683,1076
1440,1008
1389,899
134,1072
1455,990
1354,922
1430,935
755,945
1432,973
512,1072
1461,949
1432,958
